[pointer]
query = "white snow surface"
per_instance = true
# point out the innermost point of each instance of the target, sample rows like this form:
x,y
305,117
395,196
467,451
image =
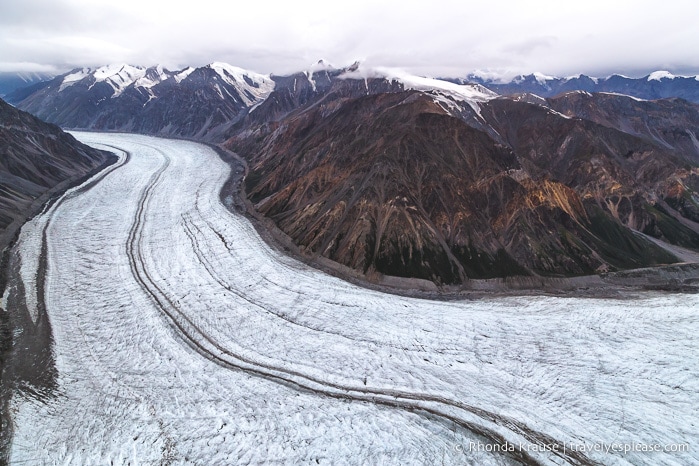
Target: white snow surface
x,y
662,74
541,78
119,76
179,77
469,93
321,65
74,77
488,75
262,85
147,82
254,87
182,338
119,72
659,75
317,67
624,95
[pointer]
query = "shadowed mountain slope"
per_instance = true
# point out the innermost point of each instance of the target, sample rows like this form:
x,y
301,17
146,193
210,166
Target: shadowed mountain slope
x,y
37,158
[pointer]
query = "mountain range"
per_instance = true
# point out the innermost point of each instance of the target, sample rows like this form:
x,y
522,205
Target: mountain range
x,y
656,85
193,102
443,180
10,82
422,183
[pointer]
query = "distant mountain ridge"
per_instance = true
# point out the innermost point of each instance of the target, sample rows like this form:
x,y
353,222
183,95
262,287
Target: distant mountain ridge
x,y
656,85
193,102
417,182
10,82
201,103
393,174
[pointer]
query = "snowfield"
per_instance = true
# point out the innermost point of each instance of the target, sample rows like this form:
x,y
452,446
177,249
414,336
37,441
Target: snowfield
x,y
180,337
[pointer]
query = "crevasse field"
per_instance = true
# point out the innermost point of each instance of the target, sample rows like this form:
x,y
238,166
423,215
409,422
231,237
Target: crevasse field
x,y
180,337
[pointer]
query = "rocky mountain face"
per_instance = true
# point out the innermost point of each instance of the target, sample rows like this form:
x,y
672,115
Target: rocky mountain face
x,y
427,183
37,158
657,85
200,103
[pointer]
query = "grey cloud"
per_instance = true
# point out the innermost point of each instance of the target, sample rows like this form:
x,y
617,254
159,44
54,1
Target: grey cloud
x,y
441,37
529,46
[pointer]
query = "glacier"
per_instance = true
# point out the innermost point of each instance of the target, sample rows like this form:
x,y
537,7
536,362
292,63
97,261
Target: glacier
x,y
181,337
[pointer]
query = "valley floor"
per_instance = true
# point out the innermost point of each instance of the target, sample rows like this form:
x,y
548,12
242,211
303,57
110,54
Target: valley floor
x,y
179,336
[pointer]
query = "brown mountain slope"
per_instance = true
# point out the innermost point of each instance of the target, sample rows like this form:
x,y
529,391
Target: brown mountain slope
x,y
631,177
392,183
672,124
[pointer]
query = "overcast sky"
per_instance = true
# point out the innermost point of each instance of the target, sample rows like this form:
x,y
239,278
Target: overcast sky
x,y
436,38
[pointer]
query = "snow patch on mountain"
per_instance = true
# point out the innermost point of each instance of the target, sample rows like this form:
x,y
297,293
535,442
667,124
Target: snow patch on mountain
x,y
617,75
624,95
469,93
74,77
311,81
153,76
234,75
321,65
541,78
487,76
118,72
182,75
578,76
659,75
255,85
578,91
119,77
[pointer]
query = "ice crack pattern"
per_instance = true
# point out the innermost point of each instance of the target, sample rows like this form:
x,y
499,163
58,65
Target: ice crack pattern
x,y
181,337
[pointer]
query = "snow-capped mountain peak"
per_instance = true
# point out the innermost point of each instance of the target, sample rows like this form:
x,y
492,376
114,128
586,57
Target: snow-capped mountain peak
x,y
119,76
321,65
235,75
470,93
118,72
255,86
153,75
661,74
656,85
73,77
182,74
538,78
541,78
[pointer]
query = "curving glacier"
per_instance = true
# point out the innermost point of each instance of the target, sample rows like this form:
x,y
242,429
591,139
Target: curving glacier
x,y
180,337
